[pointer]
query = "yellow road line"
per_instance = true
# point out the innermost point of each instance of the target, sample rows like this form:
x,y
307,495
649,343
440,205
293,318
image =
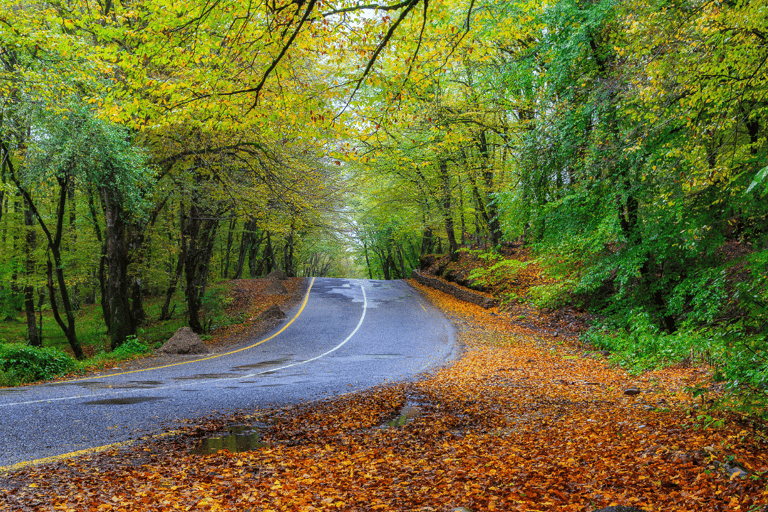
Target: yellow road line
x,y
98,449
303,304
85,451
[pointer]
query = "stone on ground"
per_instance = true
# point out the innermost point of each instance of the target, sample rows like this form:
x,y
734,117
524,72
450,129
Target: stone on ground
x,y
185,341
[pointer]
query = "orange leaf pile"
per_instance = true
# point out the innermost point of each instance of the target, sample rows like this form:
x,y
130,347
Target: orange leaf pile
x,y
519,423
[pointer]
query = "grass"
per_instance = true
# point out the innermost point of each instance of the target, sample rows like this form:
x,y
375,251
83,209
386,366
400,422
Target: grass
x,y
92,332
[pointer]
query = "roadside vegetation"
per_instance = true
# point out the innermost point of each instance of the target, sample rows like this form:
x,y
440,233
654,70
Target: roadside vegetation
x,y
231,307
21,363
603,164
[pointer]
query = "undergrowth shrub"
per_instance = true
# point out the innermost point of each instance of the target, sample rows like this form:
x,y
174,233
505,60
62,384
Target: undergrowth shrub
x,y
501,272
738,359
130,347
10,304
215,303
23,364
553,295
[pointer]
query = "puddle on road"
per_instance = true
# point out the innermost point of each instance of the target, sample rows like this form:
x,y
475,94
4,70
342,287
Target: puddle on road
x,y
100,384
240,438
147,382
262,364
201,376
128,400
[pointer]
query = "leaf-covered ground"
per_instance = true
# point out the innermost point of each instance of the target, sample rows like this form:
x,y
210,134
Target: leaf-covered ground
x,y
519,423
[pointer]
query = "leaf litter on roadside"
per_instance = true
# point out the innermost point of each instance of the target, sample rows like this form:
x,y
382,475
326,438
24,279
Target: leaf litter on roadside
x,y
518,423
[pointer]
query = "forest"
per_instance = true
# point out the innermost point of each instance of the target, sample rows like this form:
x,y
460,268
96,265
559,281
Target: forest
x,y
152,148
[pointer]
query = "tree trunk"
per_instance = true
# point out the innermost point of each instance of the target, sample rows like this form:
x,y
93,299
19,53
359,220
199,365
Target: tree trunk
x,y
490,211
450,230
367,261
288,262
269,255
201,236
101,272
246,244
427,241
121,320
137,304
401,260
228,250
33,335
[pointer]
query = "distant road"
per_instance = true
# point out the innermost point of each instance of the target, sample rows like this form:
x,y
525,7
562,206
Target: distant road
x,y
347,335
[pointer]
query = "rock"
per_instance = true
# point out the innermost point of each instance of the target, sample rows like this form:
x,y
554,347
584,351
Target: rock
x,y
619,508
632,392
277,275
271,313
464,294
734,472
185,341
275,287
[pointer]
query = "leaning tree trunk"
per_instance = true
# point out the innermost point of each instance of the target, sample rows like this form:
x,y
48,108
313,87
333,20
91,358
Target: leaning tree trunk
x,y
54,247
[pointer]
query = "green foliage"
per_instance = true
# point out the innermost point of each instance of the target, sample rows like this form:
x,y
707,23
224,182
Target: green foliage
x,y
641,345
504,271
23,364
701,297
215,302
10,304
739,360
131,347
552,296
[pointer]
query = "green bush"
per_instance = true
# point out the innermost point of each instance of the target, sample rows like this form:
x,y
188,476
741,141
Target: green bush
x,y
131,347
23,364
551,296
10,304
505,271
738,359
215,303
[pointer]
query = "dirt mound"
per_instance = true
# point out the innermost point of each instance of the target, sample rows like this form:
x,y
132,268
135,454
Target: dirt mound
x,y
271,313
185,341
274,287
276,275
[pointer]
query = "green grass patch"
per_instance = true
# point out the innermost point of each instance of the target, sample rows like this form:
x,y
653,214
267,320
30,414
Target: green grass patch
x,y
93,337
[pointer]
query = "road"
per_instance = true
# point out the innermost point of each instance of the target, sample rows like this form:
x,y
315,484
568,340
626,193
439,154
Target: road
x,y
347,335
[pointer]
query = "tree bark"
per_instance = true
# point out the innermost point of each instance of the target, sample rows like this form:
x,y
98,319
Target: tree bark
x,y
165,314
201,236
228,251
121,320
450,230
33,335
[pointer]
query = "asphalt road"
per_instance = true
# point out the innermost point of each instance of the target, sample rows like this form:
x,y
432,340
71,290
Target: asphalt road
x,y
348,335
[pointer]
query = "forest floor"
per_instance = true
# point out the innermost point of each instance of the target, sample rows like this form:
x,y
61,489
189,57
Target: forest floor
x,y
523,421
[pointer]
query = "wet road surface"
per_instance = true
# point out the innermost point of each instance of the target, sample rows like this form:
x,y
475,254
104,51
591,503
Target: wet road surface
x,y
348,334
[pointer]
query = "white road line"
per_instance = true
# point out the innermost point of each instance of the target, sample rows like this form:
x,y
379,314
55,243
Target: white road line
x,y
334,349
225,379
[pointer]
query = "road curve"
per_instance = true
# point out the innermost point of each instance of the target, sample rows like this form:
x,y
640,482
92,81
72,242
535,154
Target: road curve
x,y
348,334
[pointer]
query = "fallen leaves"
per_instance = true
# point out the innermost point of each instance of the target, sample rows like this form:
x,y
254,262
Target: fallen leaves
x,y
517,424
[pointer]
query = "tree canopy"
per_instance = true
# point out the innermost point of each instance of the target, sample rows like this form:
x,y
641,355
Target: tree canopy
x,y
625,142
